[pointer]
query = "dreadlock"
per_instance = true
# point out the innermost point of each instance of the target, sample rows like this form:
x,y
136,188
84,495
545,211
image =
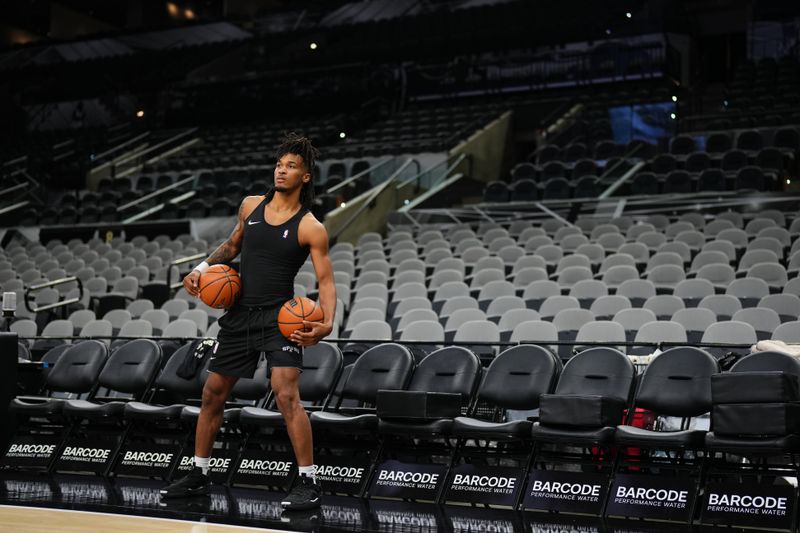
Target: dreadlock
x,y
293,143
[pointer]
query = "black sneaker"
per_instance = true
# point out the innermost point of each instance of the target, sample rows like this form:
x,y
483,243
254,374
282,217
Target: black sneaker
x,y
194,483
305,494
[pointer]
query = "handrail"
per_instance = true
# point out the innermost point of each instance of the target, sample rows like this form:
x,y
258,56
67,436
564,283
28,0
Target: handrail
x,y
157,193
445,162
20,159
178,262
13,188
54,283
607,344
119,147
373,194
358,176
157,146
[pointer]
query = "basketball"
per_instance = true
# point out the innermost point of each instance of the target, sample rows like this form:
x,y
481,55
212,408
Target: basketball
x,y
219,286
294,311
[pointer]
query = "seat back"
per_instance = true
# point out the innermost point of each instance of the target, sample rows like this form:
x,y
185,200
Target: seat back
x,y
131,368
170,381
386,366
678,382
250,390
518,376
322,365
452,369
78,367
598,371
766,362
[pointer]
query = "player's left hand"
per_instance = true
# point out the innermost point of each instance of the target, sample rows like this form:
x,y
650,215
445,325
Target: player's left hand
x,y
311,334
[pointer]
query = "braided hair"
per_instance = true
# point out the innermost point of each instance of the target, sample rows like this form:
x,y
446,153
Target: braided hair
x,y
293,143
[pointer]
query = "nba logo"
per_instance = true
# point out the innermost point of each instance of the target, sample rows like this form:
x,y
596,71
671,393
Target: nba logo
x,y
285,233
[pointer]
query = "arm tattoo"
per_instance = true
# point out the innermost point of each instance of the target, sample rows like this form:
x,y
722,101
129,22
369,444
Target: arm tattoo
x,y
228,250
224,253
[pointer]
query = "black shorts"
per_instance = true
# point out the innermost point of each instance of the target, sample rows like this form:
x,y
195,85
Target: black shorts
x,y
245,333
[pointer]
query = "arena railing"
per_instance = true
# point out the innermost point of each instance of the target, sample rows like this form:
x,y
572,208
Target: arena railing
x,y
177,263
376,174
62,304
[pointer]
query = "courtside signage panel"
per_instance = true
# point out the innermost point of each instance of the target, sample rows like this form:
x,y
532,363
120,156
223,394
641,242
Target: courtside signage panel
x,y
484,484
30,451
394,479
220,465
651,497
152,460
342,474
256,467
541,523
568,492
82,456
765,506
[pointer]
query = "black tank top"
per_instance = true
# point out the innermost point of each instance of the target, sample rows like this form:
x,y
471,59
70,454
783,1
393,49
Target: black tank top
x,y
271,257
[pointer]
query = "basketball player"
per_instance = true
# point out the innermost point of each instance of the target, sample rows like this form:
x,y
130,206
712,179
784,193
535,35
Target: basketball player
x,y
274,234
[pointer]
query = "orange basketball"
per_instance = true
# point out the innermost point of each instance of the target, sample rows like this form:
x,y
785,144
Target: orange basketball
x,y
294,311
219,286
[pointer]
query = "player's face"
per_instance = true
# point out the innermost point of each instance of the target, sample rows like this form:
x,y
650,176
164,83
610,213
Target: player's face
x,y
290,173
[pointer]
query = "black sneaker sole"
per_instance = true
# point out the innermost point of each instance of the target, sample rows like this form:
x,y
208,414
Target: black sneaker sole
x,y
186,493
302,506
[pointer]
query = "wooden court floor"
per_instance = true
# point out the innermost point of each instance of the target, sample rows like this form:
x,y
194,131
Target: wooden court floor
x,y
19,519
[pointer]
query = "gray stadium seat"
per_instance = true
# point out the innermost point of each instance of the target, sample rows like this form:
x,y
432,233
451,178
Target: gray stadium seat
x,y
97,328
664,305
587,291
788,332
691,291
615,276
657,332
199,317
723,305
773,274
605,307
536,331
786,305
601,331
695,321
513,317
720,276
763,320
730,332
637,291
478,331
749,291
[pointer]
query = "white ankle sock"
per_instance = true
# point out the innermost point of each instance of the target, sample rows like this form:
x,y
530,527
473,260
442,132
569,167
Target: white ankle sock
x,y
202,463
308,471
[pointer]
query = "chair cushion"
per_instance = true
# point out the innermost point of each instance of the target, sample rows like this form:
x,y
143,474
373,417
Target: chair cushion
x,y
633,436
481,429
190,413
443,426
32,407
340,422
573,435
145,411
261,417
752,445
85,409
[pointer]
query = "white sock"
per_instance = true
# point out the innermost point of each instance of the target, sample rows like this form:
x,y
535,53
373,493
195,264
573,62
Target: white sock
x,y
202,463
308,471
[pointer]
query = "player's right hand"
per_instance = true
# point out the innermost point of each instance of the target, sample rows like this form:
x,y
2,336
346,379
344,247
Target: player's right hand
x,y
192,283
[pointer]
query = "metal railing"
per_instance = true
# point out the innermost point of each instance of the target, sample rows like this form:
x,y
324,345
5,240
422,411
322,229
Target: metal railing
x,y
55,283
177,263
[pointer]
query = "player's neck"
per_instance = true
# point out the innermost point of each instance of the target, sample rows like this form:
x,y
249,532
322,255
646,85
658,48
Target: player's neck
x,y
285,202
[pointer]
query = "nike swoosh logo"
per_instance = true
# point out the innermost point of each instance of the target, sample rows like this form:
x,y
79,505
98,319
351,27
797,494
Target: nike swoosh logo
x,y
253,222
